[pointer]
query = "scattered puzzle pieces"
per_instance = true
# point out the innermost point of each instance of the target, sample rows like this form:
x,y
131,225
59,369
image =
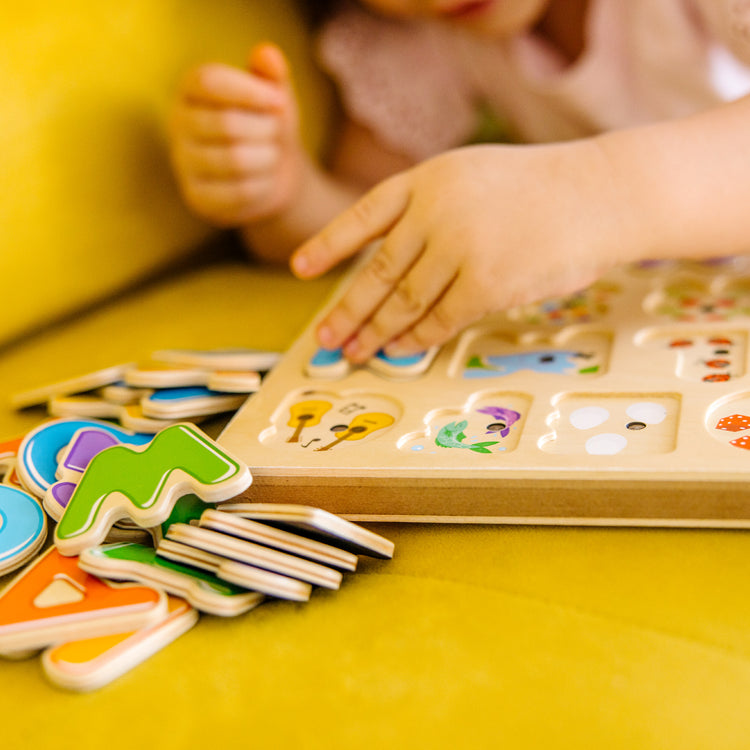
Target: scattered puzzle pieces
x,y
177,385
91,474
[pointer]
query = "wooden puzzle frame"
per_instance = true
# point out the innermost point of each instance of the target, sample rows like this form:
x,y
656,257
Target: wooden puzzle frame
x,y
631,399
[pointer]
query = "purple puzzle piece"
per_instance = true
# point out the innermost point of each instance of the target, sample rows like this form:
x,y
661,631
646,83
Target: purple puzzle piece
x,y
87,444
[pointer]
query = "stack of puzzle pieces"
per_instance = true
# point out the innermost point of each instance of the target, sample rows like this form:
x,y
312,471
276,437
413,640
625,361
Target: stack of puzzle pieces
x,y
148,532
175,385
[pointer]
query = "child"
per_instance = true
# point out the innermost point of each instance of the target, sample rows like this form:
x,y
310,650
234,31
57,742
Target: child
x,y
639,148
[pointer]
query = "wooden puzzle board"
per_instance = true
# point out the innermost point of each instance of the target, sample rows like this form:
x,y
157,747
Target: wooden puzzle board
x,y
626,404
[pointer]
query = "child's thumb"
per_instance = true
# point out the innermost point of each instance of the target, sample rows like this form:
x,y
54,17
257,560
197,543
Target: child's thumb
x,y
268,61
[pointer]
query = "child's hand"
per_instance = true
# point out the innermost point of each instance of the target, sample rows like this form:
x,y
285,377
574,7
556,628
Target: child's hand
x,y
464,234
235,143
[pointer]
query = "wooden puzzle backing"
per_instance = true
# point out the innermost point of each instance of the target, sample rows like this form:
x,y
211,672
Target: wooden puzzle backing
x,y
628,403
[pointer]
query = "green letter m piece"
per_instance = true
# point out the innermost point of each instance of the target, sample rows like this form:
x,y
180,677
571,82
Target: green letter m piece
x,y
145,483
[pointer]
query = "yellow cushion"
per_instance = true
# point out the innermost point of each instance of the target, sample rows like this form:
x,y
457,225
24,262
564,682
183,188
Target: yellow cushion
x,y
89,204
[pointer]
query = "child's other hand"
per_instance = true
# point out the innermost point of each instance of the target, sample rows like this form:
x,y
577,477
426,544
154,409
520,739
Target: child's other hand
x,y
467,233
235,144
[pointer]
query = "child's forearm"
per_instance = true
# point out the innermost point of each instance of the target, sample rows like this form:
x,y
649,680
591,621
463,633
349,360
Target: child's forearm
x,y
685,183
321,197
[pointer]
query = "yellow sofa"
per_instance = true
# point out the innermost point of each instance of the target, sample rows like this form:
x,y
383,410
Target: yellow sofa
x,y
471,636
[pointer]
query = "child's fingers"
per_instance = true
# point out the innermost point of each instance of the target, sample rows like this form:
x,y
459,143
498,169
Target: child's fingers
x,y
225,124
220,85
227,202
267,60
369,218
414,295
451,313
372,285
236,160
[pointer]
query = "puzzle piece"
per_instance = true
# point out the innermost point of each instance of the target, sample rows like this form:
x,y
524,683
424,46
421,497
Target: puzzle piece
x,y
188,509
203,590
91,663
53,600
165,375
256,555
408,366
9,461
261,533
327,364
145,484
23,528
316,523
130,416
188,403
122,394
236,573
74,459
78,384
330,364
221,359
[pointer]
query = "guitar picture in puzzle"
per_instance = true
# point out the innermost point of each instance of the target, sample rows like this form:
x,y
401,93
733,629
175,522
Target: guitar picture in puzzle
x,y
729,421
321,421
703,356
611,424
496,355
488,425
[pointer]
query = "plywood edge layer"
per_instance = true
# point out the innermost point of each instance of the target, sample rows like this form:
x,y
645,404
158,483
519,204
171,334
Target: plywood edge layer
x,y
520,502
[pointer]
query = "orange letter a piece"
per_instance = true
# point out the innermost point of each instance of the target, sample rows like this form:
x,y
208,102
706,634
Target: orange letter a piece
x,y
53,600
